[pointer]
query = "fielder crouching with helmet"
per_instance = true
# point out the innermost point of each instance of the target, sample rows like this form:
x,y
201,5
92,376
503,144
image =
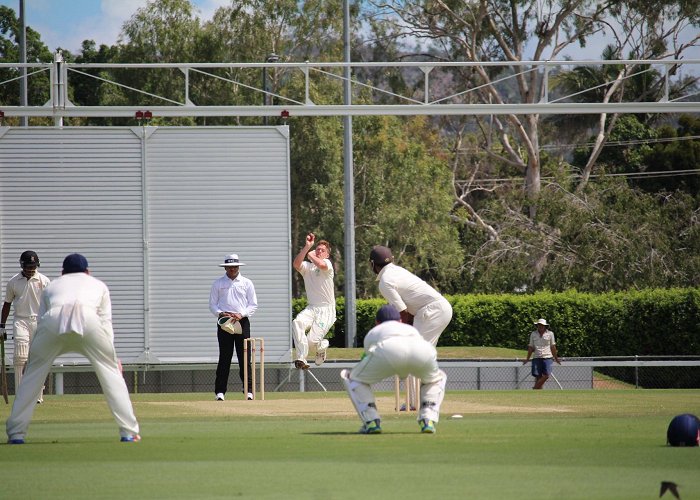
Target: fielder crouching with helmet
x,y
24,291
395,348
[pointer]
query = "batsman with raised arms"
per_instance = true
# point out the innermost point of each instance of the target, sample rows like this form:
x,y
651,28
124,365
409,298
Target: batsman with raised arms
x,y
24,291
319,315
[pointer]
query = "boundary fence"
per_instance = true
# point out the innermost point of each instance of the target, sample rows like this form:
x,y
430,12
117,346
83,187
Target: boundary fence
x,y
634,372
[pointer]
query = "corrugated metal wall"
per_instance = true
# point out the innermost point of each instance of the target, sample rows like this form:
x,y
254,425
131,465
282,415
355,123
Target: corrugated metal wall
x,y
155,210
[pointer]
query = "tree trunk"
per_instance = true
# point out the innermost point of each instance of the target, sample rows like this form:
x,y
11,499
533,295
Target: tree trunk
x,y
532,185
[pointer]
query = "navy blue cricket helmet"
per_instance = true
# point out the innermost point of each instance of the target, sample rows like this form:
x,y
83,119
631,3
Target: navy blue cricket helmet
x,y
684,430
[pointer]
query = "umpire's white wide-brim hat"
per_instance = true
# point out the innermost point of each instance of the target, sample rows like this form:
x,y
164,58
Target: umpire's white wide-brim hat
x,y
231,260
542,321
230,325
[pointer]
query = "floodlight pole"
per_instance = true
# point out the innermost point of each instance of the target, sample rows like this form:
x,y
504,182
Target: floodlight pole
x,y
349,188
23,120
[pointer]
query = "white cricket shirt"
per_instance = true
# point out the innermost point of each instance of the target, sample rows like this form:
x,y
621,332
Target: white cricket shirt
x,y
24,294
318,283
237,296
404,290
390,329
75,296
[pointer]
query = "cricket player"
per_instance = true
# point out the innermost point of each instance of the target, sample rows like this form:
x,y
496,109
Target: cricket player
x,y
24,290
395,348
418,303
75,315
319,315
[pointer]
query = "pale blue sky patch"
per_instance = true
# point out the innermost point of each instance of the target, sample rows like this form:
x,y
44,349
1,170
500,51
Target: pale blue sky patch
x,y
66,23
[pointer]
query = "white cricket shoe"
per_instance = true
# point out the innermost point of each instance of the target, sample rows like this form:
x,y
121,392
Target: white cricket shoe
x,y
250,396
320,356
220,396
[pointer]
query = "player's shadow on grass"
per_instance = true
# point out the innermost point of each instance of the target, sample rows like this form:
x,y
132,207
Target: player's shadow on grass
x,y
350,433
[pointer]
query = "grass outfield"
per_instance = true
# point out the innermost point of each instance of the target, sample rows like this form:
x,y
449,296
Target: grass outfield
x,y
510,444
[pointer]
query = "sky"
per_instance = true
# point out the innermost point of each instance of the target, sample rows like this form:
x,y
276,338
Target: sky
x,y
66,23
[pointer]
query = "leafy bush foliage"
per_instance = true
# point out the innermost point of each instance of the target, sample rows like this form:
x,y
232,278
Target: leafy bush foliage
x,y
647,322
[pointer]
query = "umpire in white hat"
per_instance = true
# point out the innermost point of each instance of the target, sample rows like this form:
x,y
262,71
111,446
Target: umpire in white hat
x,y
232,296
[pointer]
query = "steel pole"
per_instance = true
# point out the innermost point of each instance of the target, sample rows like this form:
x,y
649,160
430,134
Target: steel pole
x,y
23,121
349,195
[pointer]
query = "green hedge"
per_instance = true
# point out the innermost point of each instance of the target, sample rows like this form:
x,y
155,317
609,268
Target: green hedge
x,y
647,322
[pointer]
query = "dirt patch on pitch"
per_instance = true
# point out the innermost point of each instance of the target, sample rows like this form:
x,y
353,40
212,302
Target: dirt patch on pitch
x,y
327,407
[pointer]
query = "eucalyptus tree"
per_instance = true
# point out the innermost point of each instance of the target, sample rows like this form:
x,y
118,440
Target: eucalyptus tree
x,y
499,163
535,30
162,31
651,30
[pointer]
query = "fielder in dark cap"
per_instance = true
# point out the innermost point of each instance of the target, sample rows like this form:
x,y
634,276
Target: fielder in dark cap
x,y
75,263
395,348
387,313
23,290
75,315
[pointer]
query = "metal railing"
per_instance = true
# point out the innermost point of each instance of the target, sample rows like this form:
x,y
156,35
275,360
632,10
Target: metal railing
x,y
426,96
635,372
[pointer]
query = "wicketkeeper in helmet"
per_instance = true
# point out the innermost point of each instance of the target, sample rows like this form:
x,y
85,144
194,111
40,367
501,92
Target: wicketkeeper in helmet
x,y
395,348
24,291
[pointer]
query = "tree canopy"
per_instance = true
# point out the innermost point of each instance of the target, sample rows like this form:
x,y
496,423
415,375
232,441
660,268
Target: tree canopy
x,y
472,204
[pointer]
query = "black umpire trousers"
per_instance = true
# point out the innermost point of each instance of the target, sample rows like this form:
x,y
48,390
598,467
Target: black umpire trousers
x,y
227,342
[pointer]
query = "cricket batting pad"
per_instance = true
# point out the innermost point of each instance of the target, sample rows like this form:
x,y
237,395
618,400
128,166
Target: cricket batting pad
x,y
431,396
361,397
19,360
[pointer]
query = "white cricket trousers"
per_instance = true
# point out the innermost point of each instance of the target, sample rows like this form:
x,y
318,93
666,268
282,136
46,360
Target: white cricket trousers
x,y
399,356
317,320
97,345
431,320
